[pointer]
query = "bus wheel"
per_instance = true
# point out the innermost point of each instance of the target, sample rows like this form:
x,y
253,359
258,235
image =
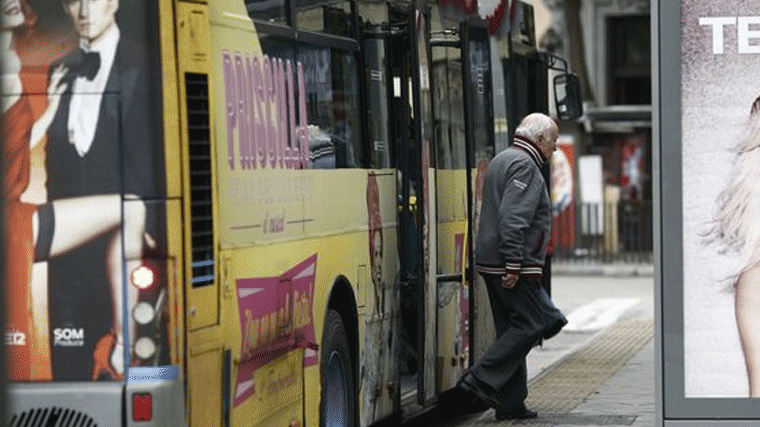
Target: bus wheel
x,y
338,407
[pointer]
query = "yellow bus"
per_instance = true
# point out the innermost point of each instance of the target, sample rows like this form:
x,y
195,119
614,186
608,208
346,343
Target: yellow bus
x,y
251,212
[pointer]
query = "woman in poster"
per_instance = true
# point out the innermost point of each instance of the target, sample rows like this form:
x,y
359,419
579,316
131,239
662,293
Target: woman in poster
x,y
373,360
736,229
37,232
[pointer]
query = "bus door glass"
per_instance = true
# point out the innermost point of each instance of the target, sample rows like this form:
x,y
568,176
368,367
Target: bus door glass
x,y
423,124
375,51
452,207
403,139
478,87
411,124
479,134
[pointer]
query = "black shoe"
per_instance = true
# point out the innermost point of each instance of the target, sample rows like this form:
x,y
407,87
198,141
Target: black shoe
x,y
458,402
478,389
472,404
520,414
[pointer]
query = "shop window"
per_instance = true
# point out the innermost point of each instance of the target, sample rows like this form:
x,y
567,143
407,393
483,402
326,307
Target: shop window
x,y
629,62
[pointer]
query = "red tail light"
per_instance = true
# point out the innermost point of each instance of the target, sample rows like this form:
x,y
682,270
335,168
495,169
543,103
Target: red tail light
x,y
142,407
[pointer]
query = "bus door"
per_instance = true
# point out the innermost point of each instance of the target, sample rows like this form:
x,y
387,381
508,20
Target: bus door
x,y
461,83
410,134
422,118
382,154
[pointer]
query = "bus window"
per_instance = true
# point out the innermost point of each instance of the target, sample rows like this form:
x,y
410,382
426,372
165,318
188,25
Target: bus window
x,y
376,113
480,100
372,13
333,17
272,11
332,106
449,111
281,50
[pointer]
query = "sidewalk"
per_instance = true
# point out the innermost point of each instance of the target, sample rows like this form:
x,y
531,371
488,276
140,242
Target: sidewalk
x,y
609,381
629,393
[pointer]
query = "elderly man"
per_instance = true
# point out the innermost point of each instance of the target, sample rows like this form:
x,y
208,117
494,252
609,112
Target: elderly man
x,y
515,226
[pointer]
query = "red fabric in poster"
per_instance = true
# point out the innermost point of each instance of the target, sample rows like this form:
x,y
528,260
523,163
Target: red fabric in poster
x,y
28,347
19,249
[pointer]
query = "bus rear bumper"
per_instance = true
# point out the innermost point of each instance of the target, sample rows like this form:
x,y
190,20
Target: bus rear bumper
x,y
150,397
165,391
54,403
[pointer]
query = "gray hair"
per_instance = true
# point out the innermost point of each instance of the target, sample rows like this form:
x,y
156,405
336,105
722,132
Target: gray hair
x,y
537,124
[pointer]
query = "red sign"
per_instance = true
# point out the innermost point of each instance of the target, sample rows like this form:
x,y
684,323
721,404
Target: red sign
x,y
275,319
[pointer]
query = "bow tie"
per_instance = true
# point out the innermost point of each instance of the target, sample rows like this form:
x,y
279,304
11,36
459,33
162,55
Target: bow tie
x,y
87,65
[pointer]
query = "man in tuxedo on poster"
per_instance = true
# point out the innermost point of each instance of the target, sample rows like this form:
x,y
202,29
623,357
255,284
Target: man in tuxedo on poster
x,y
104,139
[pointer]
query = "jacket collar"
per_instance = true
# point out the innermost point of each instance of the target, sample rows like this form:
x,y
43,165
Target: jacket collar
x,y
531,148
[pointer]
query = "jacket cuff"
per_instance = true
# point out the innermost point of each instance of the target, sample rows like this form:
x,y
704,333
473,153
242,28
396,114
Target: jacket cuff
x,y
513,267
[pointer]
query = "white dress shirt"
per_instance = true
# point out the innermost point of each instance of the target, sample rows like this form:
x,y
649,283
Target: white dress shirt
x,y
84,109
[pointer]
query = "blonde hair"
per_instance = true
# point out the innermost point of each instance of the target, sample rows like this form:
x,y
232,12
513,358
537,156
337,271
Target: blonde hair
x,y
735,226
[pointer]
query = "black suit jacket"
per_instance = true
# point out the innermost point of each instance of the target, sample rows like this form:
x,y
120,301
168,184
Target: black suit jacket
x,y
126,157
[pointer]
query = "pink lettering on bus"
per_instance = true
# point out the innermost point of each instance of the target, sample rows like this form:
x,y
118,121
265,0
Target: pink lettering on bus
x,y
290,151
268,92
244,127
258,81
304,128
248,149
282,108
276,113
261,105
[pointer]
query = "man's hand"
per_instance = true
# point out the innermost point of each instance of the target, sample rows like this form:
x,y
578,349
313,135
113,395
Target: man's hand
x,y
509,280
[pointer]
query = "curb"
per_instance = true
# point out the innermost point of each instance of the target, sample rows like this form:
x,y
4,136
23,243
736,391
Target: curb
x,y
613,270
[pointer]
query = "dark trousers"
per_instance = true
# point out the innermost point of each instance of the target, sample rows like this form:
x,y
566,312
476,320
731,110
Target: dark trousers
x,y
519,320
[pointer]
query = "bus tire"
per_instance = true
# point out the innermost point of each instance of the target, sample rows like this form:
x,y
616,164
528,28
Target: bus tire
x,y
339,397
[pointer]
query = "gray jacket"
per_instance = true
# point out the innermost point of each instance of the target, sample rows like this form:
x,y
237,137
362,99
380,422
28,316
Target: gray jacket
x,y
515,217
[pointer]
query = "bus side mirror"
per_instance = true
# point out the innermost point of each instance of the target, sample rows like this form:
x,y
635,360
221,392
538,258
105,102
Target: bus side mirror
x,y
567,97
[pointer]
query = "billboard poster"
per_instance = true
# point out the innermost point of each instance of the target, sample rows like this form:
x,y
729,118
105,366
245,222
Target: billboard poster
x,y
721,198
85,179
